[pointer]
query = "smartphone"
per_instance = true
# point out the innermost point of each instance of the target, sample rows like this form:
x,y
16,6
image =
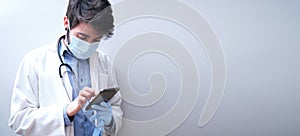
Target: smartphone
x,y
104,95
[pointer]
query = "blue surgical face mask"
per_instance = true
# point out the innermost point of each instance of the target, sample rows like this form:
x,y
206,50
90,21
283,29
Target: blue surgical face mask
x,y
82,49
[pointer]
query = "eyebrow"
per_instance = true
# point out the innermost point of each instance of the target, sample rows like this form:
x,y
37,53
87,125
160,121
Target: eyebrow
x,y
87,36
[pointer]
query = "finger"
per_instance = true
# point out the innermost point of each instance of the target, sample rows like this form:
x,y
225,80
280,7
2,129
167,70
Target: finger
x,y
85,94
81,100
105,104
104,115
98,108
94,117
90,90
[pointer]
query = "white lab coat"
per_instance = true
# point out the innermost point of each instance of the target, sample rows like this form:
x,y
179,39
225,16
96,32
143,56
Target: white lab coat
x,y
39,97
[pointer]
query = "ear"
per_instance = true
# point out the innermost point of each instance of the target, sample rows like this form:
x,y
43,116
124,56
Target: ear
x,y
66,22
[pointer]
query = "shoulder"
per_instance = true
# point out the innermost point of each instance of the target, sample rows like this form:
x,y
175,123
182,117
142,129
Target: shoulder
x,y
103,57
39,53
103,62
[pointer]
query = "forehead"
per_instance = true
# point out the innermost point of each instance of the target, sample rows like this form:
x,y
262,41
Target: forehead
x,y
87,29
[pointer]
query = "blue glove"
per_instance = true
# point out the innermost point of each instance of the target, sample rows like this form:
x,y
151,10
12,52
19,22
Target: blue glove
x,y
103,114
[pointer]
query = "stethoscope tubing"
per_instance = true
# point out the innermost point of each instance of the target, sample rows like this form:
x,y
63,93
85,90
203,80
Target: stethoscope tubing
x,y
64,65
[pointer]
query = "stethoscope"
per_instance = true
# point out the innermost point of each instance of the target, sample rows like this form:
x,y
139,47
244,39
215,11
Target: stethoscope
x,y
63,64
61,60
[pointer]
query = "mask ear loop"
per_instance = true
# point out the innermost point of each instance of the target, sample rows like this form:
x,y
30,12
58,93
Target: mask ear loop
x,y
68,32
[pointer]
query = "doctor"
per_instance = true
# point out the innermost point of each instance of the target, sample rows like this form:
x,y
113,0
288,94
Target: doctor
x,y
54,82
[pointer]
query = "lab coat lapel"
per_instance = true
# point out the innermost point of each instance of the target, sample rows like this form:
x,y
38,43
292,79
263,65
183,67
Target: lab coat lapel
x,y
67,83
94,71
66,80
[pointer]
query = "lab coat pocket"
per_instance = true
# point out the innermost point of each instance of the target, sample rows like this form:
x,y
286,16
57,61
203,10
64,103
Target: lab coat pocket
x,y
103,81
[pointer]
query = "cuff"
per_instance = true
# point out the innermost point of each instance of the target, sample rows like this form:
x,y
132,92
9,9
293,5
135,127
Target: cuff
x,y
97,132
68,120
110,129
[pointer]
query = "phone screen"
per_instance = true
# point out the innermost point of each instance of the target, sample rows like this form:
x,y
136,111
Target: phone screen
x,y
104,95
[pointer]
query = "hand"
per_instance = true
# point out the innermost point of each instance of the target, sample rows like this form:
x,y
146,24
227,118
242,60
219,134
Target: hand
x,y
103,114
83,96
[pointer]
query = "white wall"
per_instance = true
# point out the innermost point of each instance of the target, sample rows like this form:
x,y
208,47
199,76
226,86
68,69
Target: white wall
x,y
25,25
259,39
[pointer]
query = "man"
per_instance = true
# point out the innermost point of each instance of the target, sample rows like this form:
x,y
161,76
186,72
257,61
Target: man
x,y
54,82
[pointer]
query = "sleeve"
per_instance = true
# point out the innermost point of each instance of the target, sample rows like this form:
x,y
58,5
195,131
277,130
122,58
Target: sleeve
x,y
116,104
67,120
26,115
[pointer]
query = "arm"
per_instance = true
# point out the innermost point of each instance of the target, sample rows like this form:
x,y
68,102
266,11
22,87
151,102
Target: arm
x,y
26,116
113,128
115,102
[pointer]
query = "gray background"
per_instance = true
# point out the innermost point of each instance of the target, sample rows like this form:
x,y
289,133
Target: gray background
x,y
260,40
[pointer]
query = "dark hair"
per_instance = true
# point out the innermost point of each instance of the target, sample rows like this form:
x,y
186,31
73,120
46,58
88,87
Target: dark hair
x,y
98,13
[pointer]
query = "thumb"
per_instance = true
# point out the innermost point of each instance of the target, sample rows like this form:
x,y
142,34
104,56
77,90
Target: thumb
x,y
100,124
